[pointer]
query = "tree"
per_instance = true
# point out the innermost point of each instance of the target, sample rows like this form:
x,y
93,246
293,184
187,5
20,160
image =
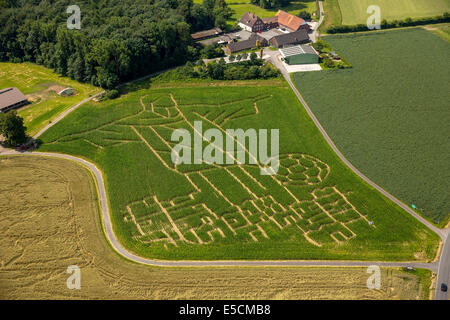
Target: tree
x,y
212,51
304,15
231,58
328,63
216,70
12,128
113,94
268,4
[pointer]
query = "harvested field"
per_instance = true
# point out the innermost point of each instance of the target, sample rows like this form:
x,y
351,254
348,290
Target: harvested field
x,y
49,220
313,208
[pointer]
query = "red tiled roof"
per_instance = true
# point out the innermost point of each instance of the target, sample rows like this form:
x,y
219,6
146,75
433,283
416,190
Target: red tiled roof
x,y
288,20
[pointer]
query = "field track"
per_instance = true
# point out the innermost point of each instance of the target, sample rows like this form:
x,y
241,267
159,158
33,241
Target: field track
x,y
106,219
65,113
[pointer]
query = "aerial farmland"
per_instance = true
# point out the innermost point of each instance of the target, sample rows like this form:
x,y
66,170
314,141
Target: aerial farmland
x,y
201,150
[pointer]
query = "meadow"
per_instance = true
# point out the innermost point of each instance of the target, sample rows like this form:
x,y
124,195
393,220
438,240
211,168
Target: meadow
x,y
442,30
241,7
57,224
41,85
313,208
354,11
332,15
389,114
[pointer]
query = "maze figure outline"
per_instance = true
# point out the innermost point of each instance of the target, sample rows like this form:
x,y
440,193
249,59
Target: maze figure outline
x,y
188,219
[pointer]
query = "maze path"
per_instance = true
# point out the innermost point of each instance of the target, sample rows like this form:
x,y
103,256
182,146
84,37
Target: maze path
x,y
325,216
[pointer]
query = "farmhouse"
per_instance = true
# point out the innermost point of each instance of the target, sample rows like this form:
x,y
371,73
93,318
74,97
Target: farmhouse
x,y
291,22
252,42
205,34
251,22
11,98
289,39
300,54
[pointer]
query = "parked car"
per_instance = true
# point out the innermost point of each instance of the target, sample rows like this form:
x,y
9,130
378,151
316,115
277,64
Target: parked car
x,y
444,287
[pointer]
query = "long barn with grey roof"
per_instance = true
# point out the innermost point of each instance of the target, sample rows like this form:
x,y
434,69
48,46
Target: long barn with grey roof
x,y
11,98
253,42
289,39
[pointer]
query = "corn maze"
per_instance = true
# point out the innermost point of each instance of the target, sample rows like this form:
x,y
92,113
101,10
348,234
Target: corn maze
x,y
245,205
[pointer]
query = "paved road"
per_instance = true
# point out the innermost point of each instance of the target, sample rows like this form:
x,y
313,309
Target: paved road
x,y
443,274
315,33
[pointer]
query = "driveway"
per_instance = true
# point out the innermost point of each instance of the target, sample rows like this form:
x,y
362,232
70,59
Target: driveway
x,y
244,34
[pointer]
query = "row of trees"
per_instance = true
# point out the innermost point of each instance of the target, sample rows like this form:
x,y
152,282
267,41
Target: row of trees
x,y
391,24
118,40
219,70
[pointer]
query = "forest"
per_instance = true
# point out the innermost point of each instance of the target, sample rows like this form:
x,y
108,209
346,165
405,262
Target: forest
x,y
118,40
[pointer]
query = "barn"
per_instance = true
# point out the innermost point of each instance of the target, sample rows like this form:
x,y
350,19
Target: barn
x,y
251,22
11,98
291,22
300,54
290,39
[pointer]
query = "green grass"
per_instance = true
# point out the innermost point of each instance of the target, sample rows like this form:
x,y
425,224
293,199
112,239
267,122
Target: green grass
x,y
442,30
332,15
294,8
140,179
354,11
425,280
242,6
389,114
37,83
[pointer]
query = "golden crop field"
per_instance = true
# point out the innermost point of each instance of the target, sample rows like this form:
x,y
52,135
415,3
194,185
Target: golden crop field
x,y
49,220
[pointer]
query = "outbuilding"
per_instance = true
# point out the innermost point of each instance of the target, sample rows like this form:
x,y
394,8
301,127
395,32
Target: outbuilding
x,y
205,34
255,41
11,98
290,39
300,54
